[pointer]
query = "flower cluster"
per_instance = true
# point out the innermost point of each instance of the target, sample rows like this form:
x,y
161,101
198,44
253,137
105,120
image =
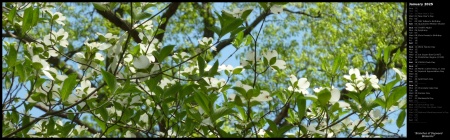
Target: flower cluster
x,y
299,85
270,58
359,82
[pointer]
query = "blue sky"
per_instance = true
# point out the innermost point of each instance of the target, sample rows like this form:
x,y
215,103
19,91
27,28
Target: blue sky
x,y
225,53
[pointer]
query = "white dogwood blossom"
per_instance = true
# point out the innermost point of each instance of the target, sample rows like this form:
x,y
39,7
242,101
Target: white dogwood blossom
x,y
206,41
141,62
375,114
358,82
400,73
214,83
276,9
96,45
335,95
250,59
270,54
244,86
312,128
300,85
263,97
129,134
231,97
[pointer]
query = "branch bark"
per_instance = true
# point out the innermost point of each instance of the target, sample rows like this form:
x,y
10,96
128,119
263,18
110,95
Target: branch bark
x,y
63,115
167,15
124,25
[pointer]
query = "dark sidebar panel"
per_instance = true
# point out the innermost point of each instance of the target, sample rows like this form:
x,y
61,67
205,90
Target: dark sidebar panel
x,y
428,84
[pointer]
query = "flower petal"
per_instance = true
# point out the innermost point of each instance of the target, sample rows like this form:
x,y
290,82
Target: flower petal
x,y
276,9
141,62
46,73
303,83
335,95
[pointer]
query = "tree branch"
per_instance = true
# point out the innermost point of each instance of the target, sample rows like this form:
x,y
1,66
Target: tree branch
x,y
206,15
124,25
76,120
167,15
247,31
302,13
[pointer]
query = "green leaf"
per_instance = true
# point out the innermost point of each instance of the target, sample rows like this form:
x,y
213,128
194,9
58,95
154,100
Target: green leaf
x,y
21,72
100,7
334,107
67,87
67,128
301,106
148,5
353,96
143,15
15,116
158,92
386,55
272,61
401,118
220,112
110,81
11,15
215,29
390,101
354,106
127,113
203,101
113,5
213,70
27,20
389,86
103,112
194,114
240,90
284,129
232,26
238,39
12,56
272,126
246,13
51,125
135,50
280,3
130,88
264,5
35,18
159,31
363,94
153,82
398,93
222,132
238,101
236,31
165,52
201,65
380,102
101,123
324,96
174,89
227,18
112,128
237,70
324,64
336,64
